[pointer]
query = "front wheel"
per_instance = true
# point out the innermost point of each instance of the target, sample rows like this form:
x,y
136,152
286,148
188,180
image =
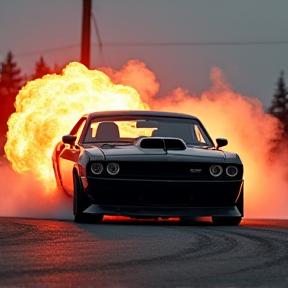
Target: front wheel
x,y
80,201
226,221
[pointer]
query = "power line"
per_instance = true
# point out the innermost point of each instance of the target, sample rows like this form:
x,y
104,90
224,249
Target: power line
x,y
46,50
157,44
97,31
100,45
165,44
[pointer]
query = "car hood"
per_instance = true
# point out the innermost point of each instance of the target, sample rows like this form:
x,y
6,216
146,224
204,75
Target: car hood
x,y
135,153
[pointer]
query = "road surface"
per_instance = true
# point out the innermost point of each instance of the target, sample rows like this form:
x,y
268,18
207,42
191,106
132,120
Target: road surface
x,y
49,253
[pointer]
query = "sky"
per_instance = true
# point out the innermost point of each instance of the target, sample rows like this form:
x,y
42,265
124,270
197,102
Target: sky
x,y
247,39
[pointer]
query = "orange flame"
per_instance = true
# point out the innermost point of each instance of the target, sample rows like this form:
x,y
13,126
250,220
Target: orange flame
x,y
47,108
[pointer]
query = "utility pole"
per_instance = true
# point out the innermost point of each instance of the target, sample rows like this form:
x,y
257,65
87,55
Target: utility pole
x,y
86,33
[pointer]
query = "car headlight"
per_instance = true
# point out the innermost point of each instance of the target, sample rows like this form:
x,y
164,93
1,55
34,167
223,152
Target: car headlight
x,y
216,170
97,168
231,171
113,168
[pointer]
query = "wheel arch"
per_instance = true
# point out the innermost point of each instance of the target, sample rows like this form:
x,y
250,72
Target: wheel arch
x,y
240,200
80,172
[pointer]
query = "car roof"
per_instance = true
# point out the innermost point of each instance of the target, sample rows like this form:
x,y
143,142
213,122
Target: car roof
x,y
139,113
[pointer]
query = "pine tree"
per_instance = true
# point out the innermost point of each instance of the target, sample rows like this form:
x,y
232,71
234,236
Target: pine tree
x,y
10,84
279,107
11,81
41,69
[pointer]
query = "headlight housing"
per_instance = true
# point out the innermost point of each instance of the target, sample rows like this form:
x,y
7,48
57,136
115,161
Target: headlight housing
x,y
113,168
97,168
215,170
232,171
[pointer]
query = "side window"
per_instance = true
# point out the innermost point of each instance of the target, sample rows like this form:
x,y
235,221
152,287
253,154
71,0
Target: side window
x,y
79,131
199,135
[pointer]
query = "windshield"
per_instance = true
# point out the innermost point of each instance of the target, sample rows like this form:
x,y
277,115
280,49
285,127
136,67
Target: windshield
x,y
129,129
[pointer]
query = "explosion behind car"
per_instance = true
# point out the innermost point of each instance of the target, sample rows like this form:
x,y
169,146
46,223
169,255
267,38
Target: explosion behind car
x,y
147,164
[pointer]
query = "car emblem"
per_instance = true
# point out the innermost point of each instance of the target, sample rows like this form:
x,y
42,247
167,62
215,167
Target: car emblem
x,y
194,170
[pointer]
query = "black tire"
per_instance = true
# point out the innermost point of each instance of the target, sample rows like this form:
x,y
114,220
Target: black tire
x,y
226,221
187,219
240,202
80,201
95,218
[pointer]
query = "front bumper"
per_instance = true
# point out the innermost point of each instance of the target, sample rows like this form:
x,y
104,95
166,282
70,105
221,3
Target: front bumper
x,y
163,193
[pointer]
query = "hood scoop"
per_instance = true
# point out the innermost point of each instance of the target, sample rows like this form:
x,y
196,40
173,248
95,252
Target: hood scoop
x,y
162,143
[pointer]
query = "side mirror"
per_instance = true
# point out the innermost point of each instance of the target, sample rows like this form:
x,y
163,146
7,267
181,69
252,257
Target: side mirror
x,y
221,142
69,139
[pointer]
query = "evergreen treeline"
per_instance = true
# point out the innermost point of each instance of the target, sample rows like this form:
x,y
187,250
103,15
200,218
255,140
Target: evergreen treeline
x,y
11,81
279,106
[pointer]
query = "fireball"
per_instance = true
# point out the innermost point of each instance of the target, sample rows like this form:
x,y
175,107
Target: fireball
x,y
47,108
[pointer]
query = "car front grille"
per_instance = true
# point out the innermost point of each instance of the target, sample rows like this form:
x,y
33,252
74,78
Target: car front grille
x,y
166,171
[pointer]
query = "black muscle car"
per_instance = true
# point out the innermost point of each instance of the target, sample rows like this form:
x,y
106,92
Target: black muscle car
x,y
147,164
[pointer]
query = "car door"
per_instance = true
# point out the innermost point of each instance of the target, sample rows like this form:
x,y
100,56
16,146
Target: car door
x,y
68,157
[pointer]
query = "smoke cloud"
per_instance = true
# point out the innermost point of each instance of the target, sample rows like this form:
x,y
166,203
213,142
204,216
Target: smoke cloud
x,y
239,118
23,196
250,132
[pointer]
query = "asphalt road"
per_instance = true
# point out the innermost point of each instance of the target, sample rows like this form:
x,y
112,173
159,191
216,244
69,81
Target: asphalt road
x,y
46,253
